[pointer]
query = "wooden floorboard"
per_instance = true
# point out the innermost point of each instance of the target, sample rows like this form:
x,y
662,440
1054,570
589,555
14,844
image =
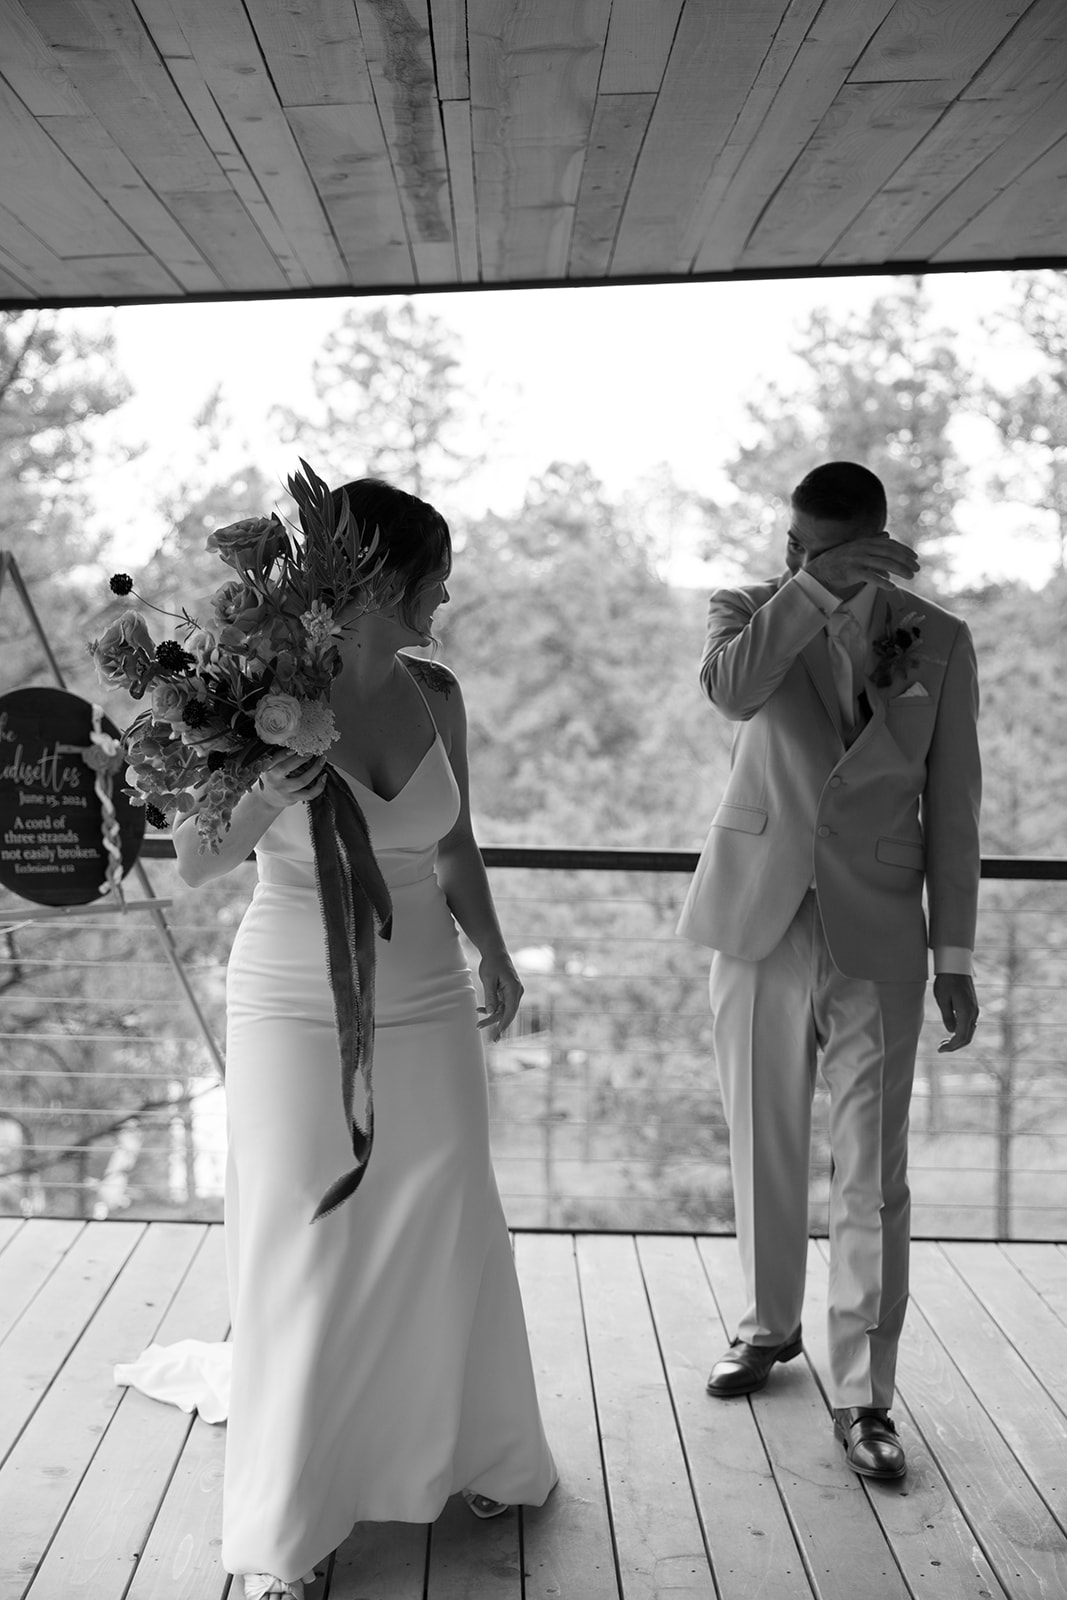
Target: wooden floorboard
x,y
1026,1404
55,1450
474,1563
9,1226
28,1262
744,1517
572,1533
931,1539
383,1559
109,1521
826,1503
182,1556
664,1494
40,1340
657,1531
1011,1524
1045,1270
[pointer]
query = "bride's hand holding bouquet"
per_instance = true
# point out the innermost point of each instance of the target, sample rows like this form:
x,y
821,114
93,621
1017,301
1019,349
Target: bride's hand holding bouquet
x,y
291,779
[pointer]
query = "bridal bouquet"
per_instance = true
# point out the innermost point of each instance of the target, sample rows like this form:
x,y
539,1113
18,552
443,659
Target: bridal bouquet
x,y
228,696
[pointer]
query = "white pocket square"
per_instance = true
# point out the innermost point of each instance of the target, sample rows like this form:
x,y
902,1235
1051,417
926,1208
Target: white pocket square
x,y
914,691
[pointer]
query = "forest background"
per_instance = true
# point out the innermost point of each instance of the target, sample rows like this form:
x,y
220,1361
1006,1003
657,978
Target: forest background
x,y
577,656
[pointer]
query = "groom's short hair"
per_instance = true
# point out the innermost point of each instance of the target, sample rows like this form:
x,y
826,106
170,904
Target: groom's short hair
x,y
842,491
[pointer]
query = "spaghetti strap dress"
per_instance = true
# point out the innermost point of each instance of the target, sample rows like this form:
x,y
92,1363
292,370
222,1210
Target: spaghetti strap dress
x,y
380,1356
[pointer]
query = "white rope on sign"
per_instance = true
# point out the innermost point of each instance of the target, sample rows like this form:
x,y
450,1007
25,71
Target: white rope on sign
x,y
104,756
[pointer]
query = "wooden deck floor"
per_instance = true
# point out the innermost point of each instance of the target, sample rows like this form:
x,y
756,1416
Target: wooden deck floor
x,y
105,1495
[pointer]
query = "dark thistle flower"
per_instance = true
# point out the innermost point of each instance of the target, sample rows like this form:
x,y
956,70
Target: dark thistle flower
x,y
172,658
122,583
215,760
195,714
155,817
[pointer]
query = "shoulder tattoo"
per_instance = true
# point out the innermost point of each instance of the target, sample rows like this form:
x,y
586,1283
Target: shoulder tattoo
x,y
433,676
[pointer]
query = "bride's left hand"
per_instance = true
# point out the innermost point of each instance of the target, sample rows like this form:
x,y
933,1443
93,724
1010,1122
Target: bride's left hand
x,y
503,991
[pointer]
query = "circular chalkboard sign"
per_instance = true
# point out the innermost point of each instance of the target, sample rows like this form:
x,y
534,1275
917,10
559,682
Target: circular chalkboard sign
x,y
51,837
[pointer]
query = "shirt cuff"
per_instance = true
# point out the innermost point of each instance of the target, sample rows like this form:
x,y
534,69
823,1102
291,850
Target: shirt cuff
x,y
953,958
816,592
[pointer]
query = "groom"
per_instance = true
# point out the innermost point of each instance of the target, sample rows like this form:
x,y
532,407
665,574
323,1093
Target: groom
x,y
854,782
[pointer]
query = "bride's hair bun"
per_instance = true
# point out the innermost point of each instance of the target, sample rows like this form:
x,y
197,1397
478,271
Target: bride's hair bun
x,y
414,542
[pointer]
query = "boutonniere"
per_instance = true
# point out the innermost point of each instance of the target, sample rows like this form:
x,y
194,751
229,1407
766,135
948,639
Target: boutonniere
x,y
896,652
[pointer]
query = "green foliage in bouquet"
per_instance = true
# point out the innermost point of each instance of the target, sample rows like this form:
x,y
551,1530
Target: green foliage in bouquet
x,y
228,697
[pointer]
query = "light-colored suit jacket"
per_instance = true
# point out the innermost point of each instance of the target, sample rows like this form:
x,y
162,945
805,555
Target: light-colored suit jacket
x,y
871,823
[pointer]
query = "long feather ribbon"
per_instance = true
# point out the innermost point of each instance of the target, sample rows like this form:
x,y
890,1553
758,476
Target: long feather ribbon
x,y
352,894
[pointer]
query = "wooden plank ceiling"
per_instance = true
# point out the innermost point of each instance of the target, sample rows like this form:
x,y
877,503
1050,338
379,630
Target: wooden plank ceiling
x,y
162,149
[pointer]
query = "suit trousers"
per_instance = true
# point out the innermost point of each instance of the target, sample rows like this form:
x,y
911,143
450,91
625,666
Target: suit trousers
x,y
772,1021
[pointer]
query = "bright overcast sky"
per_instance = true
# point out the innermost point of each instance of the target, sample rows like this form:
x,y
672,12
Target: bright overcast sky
x,y
623,378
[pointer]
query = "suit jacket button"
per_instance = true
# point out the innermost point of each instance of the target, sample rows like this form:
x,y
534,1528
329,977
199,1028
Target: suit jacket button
x,y
836,781
824,832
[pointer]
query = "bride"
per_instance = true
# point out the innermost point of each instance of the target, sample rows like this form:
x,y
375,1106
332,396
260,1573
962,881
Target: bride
x,y
380,1357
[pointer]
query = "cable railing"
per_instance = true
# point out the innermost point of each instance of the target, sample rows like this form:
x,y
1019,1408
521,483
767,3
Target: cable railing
x,y
595,858
604,1097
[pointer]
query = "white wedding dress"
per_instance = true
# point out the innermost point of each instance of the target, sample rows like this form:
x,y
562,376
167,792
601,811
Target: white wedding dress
x,y
380,1355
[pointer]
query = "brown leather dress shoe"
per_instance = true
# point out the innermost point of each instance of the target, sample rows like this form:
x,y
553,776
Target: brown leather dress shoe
x,y
871,1445
746,1367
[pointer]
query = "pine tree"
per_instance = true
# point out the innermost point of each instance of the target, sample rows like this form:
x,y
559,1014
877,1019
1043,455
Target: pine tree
x,y
55,384
881,387
1031,417
1021,640
390,402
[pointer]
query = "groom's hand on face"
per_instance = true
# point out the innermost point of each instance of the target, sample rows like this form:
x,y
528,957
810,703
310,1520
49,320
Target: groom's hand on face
x,y
958,1005
873,558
